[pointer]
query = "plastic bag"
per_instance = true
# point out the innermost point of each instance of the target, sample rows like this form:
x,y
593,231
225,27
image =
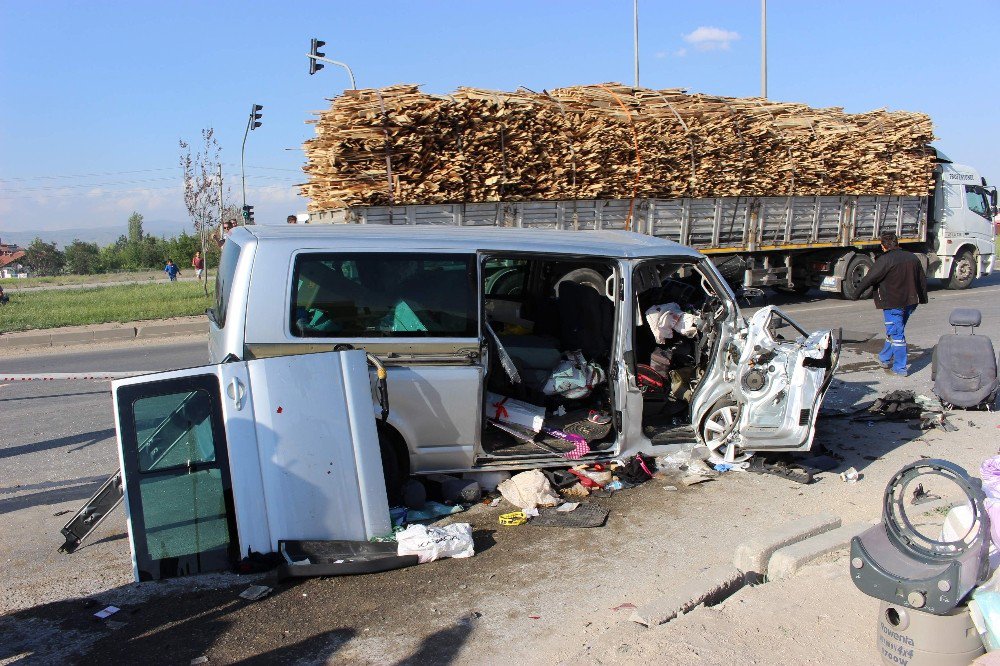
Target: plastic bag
x,y
435,543
989,471
529,490
574,377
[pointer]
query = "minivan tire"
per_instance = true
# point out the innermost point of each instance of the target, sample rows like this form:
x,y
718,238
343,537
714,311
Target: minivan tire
x,y
586,277
395,468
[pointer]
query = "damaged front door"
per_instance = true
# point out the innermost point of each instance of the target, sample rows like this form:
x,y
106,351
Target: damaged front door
x,y
782,376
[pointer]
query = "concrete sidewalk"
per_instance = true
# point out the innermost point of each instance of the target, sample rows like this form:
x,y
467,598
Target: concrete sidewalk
x,y
103,333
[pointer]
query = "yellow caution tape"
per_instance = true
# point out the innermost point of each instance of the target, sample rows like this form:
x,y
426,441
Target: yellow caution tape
x,y
513,519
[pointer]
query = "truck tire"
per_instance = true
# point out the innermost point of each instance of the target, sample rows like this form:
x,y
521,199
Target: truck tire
x,y
963,271
856,271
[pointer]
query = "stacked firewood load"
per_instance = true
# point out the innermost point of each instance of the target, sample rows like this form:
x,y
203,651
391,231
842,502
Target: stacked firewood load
x,y
398,145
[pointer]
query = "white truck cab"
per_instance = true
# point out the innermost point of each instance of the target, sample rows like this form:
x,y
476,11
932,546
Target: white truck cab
x,y
961,235
473,325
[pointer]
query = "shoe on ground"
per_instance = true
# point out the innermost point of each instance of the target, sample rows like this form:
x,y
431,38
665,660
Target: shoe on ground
x,y
899,374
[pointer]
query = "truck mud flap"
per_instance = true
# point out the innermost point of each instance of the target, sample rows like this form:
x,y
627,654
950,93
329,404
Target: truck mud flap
x,y
339,558
93,513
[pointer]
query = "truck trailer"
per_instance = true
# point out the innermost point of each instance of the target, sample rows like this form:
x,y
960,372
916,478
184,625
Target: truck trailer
x,y
792,243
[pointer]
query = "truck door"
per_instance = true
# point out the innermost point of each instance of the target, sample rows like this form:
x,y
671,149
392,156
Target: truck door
x,y
783,374
221,459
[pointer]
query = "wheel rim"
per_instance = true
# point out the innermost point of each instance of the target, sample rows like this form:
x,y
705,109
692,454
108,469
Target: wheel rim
x,y
719,425
963,269
858,274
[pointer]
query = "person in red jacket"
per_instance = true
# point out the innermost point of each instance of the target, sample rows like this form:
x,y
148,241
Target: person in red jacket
x,y
900,285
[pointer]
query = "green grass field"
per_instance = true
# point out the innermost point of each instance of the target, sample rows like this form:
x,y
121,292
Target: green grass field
x,y
100,305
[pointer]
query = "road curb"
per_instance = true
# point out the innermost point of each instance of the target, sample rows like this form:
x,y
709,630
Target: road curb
x,y
752,556
72,336
787,561
713,584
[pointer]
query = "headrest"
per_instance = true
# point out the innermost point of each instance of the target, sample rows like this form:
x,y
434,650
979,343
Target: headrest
x,y
965,317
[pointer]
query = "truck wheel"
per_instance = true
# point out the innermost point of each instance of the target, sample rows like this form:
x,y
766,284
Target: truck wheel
x,y
963,271
856,271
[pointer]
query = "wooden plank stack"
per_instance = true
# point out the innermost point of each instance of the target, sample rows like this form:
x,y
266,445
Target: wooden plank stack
x,y
399,145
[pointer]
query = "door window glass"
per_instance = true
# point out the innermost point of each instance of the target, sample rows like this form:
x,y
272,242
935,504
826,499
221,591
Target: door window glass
x,y
224,280
184,514
505,277
174,430
358,295
975,198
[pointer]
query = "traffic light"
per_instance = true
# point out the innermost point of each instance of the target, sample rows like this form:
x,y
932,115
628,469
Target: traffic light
x,y
247,214
255,116
314,52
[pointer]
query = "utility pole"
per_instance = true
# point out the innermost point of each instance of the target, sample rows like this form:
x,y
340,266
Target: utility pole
x,y
635,36
763,48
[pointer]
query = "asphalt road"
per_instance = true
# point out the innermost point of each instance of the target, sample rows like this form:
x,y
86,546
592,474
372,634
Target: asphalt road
x,y
57,446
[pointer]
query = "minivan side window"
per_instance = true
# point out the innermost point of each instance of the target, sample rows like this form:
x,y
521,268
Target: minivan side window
x,y
224,281
361,295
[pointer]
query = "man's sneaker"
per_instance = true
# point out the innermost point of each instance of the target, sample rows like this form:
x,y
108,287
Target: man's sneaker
x,y
884,366
899,374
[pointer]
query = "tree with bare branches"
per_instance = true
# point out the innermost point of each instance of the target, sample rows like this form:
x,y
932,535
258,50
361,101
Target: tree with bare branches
x,y
203,187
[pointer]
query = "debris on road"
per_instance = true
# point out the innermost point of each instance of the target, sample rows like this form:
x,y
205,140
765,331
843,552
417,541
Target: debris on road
x,y
107,612
433,543
529,490
850,475
255,592
586,515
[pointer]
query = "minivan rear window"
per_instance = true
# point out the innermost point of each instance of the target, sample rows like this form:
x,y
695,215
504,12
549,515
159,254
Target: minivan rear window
x,y
359,295
224,280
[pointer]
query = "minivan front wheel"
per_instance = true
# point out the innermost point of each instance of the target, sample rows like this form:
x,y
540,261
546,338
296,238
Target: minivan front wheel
x,y
718,426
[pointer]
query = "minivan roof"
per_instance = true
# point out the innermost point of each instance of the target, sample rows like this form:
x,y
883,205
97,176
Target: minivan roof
x,y
626,244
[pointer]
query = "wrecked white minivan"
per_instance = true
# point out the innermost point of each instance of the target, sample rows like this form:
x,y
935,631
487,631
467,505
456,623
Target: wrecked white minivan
x,y
503,348
345,356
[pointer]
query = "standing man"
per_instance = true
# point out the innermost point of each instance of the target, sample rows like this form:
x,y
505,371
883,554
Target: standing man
x,y
292,219
198,263
900,285
171,270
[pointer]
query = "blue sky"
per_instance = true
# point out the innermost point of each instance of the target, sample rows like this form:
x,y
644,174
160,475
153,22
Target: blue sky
x,y
94,96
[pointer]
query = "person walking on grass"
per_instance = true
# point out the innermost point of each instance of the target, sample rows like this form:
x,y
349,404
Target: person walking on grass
x,y
198,264
4,298
900,286
171,270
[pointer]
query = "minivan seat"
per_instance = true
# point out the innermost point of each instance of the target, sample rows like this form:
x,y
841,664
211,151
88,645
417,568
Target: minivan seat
x,y
964,367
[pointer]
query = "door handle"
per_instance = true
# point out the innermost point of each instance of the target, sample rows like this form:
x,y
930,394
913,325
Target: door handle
x,y
237,392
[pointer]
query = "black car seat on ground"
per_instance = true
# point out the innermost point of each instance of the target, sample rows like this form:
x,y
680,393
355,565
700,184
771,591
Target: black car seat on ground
x,y
964,367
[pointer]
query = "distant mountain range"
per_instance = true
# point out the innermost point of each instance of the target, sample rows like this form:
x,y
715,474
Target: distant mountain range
x,y
100,235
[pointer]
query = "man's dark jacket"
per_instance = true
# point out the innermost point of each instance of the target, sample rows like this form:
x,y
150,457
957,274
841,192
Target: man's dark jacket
x,y
898,278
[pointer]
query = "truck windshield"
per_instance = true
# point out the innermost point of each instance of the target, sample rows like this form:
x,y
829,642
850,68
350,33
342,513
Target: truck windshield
x,y
358,295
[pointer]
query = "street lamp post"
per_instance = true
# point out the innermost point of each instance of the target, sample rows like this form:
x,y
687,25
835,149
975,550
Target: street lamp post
x,y
635,37
763,48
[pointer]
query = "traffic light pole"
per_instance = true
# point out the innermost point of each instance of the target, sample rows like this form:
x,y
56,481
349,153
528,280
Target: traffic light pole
x,y
243,153
338,63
